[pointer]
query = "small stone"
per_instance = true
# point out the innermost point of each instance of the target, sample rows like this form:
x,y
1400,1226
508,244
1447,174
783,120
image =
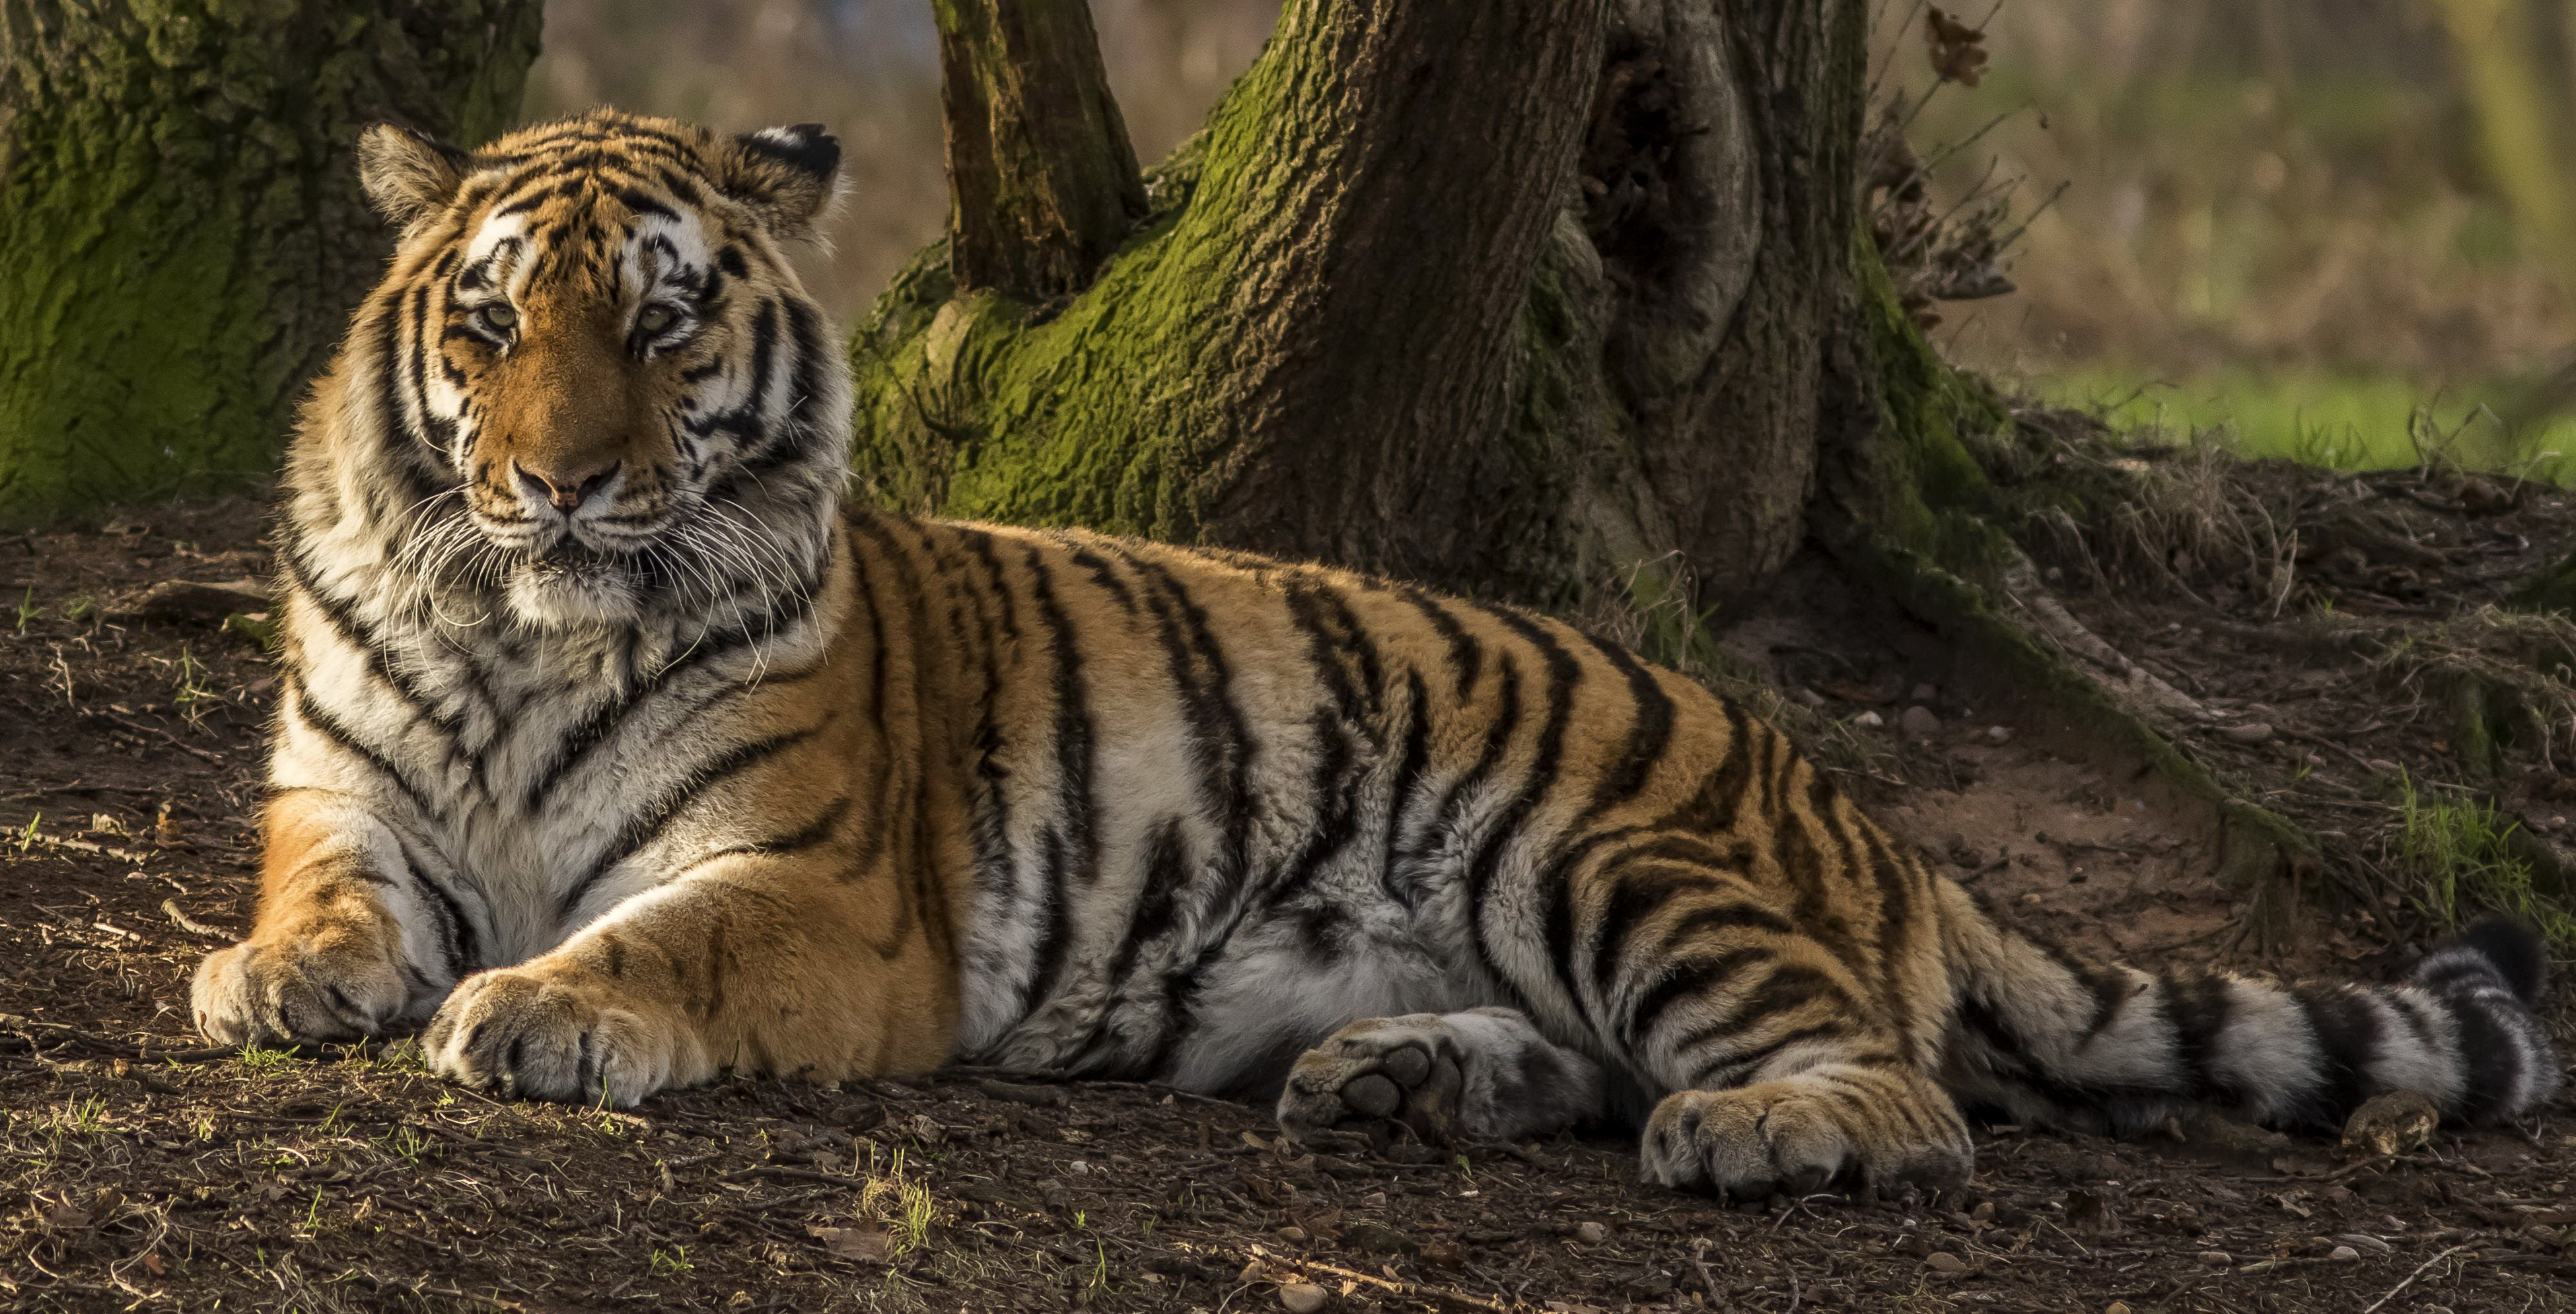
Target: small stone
x,y
1292,1234
2392,1122
1922,693
1078,1167
2343,1254
1869,720
1998,734
1378,1239
1945,1263
1304,1297
1918,722
1591,1234
2217,1258
2367,1242
2116,1307
2246,732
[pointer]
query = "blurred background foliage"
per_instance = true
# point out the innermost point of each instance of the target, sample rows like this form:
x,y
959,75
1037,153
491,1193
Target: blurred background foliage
x,y
2339,230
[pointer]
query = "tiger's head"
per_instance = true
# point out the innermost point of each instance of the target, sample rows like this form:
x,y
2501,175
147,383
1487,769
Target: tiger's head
x,y
600,382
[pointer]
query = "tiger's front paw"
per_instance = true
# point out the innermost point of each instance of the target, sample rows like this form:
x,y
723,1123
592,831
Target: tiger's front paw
x,y
1802,1137
523,1032
338,984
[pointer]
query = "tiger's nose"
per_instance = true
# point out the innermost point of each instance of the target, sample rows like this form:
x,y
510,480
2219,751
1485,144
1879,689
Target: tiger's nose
x,y
566,490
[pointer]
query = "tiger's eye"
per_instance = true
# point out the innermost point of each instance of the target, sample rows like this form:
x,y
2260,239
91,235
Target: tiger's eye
x,y
500,317
654,319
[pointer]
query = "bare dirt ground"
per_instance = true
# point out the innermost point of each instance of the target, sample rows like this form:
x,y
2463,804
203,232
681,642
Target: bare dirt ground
x,y
140,1169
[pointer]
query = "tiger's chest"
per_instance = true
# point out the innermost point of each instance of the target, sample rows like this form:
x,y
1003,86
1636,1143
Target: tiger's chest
x,y
535,753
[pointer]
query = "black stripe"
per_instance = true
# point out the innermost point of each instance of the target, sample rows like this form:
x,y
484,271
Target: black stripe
x,y
1465,657
2490,1059
648,825
2348,1034
1736,1068
1563,675
2199,1009
1647,739
346,739
1790,987
1071,851
1401,789
1685,978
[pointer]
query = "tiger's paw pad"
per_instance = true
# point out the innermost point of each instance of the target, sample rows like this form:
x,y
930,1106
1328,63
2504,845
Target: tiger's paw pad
x,y
1377,1075
338,985
1752,1141
523,1035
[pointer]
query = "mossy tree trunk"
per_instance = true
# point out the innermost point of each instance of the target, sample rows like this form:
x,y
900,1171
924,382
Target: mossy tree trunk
x,y
181,232
1505,294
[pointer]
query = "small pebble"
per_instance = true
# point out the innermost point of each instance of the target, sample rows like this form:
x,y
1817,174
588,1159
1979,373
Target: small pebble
x,y
1945,1263
2343,1254
2217,1258
2248,732
1591,1234
1923,693
2116,1307
1293,1234
1869,720
1304,1297
1998,734
1918,722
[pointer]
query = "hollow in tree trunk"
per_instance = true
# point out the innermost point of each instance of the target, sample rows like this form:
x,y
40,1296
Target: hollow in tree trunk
x,y
181,232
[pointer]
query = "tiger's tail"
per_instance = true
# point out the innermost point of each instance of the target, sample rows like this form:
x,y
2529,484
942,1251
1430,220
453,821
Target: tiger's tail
x,y
2042,1034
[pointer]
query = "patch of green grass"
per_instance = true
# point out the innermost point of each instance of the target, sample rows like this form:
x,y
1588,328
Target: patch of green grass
x,y
903,1204
2462,850
86,1116
261,1058
2337,421
668,1263
194,689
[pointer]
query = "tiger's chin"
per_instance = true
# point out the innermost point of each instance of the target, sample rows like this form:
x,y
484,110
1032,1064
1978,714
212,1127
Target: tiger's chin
x,y
574,588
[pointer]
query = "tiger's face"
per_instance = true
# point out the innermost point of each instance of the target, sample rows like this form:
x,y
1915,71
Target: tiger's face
x,y
594,330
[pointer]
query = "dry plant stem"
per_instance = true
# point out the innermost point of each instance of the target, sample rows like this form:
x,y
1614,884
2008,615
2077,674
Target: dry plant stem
x,y
2409,1279
2040,609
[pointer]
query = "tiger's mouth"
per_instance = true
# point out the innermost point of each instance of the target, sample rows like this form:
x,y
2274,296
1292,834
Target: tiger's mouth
x,y
568,583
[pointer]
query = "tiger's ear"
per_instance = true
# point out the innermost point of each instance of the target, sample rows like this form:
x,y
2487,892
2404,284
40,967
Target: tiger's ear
x,y
785,175
407,174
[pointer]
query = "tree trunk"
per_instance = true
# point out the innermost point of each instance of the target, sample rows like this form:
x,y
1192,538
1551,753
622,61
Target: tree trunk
x,y
1509,295
1042,180
181,231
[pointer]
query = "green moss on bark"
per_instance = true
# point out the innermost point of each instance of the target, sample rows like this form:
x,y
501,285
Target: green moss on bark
x,y
181,233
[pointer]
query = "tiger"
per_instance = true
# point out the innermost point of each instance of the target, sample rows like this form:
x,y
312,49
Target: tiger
x,y
621,746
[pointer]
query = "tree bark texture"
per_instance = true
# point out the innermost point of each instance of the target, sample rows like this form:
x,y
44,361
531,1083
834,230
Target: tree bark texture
x,y
1041,177
181,231
1503,294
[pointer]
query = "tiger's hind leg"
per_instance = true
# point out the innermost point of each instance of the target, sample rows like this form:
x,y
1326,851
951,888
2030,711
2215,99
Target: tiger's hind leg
x,y
1482,1074
1784,1062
